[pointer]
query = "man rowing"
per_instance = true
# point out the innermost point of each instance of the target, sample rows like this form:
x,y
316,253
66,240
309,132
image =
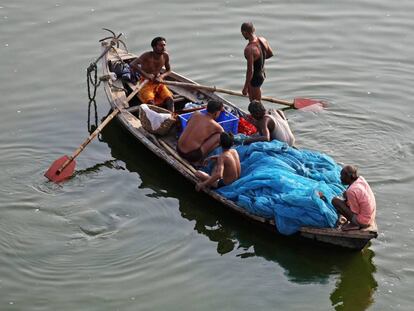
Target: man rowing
x,y
202,133
149,65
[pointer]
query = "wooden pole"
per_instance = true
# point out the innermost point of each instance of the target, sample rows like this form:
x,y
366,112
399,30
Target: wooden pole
x,y
226,91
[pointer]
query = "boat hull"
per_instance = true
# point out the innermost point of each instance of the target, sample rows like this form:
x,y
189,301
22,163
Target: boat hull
x,y
164,148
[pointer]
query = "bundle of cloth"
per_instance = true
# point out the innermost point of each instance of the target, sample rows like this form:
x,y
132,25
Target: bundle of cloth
x,y
283,183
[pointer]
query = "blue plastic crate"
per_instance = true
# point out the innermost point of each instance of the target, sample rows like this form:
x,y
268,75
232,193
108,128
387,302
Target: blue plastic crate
x,y
228,121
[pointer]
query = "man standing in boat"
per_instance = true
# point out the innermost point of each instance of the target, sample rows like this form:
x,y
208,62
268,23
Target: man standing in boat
x,y
202,133
271,125
227,168
149,65
358,205
255,52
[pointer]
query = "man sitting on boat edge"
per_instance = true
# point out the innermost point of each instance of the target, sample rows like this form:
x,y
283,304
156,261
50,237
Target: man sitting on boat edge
x,y
227,168
271,125
202,133
149,65
358,205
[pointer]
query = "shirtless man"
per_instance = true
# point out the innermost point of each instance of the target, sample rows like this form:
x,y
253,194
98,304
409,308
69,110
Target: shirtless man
x,y
271,125
202,133
255,52
227,168
149,65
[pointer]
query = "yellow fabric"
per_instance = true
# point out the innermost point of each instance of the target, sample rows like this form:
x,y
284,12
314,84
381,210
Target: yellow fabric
x,y
155,92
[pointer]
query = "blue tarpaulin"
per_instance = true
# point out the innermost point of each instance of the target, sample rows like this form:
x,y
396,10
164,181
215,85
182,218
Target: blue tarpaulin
x,y
282,183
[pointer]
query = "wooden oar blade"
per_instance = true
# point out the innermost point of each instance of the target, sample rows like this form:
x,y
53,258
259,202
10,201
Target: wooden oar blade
x,y
52,173
308,104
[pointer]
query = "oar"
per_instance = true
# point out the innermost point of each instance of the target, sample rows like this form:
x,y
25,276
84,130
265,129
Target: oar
x,y
298,103
182,111
64,167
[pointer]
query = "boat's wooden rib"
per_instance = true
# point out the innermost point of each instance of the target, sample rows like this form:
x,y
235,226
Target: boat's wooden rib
x,y
164,148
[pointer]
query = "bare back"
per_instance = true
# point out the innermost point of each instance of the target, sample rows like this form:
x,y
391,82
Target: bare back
x,y
252,49
231,165
199,129
266,126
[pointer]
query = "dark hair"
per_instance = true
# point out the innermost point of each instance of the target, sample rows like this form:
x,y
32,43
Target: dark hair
x,y
226,140
214,106
156,40
256,107
247,27
351,171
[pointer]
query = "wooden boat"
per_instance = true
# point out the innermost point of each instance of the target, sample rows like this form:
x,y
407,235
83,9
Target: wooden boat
x,y
164,147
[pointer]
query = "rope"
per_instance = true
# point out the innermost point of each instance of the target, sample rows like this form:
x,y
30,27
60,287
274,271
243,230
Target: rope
x,y
93,83
92,80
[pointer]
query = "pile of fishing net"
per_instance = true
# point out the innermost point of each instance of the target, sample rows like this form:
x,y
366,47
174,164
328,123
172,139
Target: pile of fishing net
x,y
283,183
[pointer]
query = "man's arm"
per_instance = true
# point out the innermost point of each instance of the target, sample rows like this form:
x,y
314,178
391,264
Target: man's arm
x,y
211,158
217,175
248,54
268,49
352,201
219,128
264,133
136,65
166,66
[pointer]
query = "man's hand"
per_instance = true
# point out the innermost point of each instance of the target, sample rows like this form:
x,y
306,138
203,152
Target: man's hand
x,y
244,91
199,186
323,198
212,158
151,77
159,78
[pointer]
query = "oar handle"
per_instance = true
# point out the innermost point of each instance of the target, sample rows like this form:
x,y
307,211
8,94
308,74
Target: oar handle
x,y
182,111
226,91
98,129
189,167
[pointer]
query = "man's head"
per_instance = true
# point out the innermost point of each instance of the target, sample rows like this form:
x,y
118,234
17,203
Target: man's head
x,y
226,140
215,108
256,109
247,29
349,174
158,45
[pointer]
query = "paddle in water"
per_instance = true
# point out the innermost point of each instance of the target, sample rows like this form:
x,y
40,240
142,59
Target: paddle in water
x,y
64,167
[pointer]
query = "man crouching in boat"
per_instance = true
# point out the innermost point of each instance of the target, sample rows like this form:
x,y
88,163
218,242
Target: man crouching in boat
x,y
227,168
149,65
358,206
271,125
202,133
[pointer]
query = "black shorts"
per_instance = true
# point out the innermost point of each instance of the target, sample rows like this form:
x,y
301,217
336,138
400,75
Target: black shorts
x,y
220,183
257,80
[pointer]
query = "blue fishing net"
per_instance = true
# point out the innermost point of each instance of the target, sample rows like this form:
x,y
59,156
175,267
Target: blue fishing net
x,y
282,183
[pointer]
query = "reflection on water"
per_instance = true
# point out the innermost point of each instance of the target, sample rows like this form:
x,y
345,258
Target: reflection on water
x,y
356,284
302,262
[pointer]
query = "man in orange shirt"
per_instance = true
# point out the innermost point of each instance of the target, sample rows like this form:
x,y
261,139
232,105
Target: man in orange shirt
x,y
358,206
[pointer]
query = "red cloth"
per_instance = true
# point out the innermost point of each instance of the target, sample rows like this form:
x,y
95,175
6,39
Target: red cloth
x,y
245,127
